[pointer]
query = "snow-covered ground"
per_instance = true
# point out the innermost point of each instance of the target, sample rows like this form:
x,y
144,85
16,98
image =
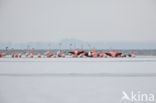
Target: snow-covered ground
x,y
75,80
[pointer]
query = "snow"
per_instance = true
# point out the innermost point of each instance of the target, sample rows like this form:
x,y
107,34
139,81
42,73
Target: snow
x,y
74,80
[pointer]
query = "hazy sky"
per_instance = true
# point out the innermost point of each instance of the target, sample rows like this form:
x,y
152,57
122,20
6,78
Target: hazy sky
x,y
88,20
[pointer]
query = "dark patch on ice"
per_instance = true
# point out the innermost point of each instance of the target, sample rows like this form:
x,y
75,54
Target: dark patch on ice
x,y
84,61
80,75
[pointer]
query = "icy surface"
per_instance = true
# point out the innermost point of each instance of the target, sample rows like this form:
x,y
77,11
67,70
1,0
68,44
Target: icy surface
x,y
74,80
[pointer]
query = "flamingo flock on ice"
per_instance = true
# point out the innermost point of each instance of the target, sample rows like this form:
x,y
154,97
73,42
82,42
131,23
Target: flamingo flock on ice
x,y
74,53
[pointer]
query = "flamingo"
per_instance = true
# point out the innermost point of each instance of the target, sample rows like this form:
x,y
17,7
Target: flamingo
x,y
75,53
94,53
132,54
12,54
100,54
88,53
60,52
28,52
104,55
19,55
15,55
82,54
111,53
48,53
32,53
54,55
5,53
39,55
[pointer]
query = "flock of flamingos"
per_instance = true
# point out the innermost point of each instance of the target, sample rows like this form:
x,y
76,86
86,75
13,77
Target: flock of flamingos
x,y
72,53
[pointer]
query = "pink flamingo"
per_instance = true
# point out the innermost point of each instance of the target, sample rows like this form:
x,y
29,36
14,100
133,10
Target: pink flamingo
x,y
132,54
5,53
60,52
39,55
48,54
19,55
32,53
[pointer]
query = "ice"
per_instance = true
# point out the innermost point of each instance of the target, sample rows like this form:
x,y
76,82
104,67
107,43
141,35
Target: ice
x,y
74,80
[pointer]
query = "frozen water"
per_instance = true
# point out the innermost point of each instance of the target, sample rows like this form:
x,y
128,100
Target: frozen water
x,y
74,80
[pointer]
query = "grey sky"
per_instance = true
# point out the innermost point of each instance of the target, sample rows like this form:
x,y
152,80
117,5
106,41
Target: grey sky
x,y
88,20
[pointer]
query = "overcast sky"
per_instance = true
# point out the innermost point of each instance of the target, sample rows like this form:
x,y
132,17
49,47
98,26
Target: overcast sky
x,y
88,20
